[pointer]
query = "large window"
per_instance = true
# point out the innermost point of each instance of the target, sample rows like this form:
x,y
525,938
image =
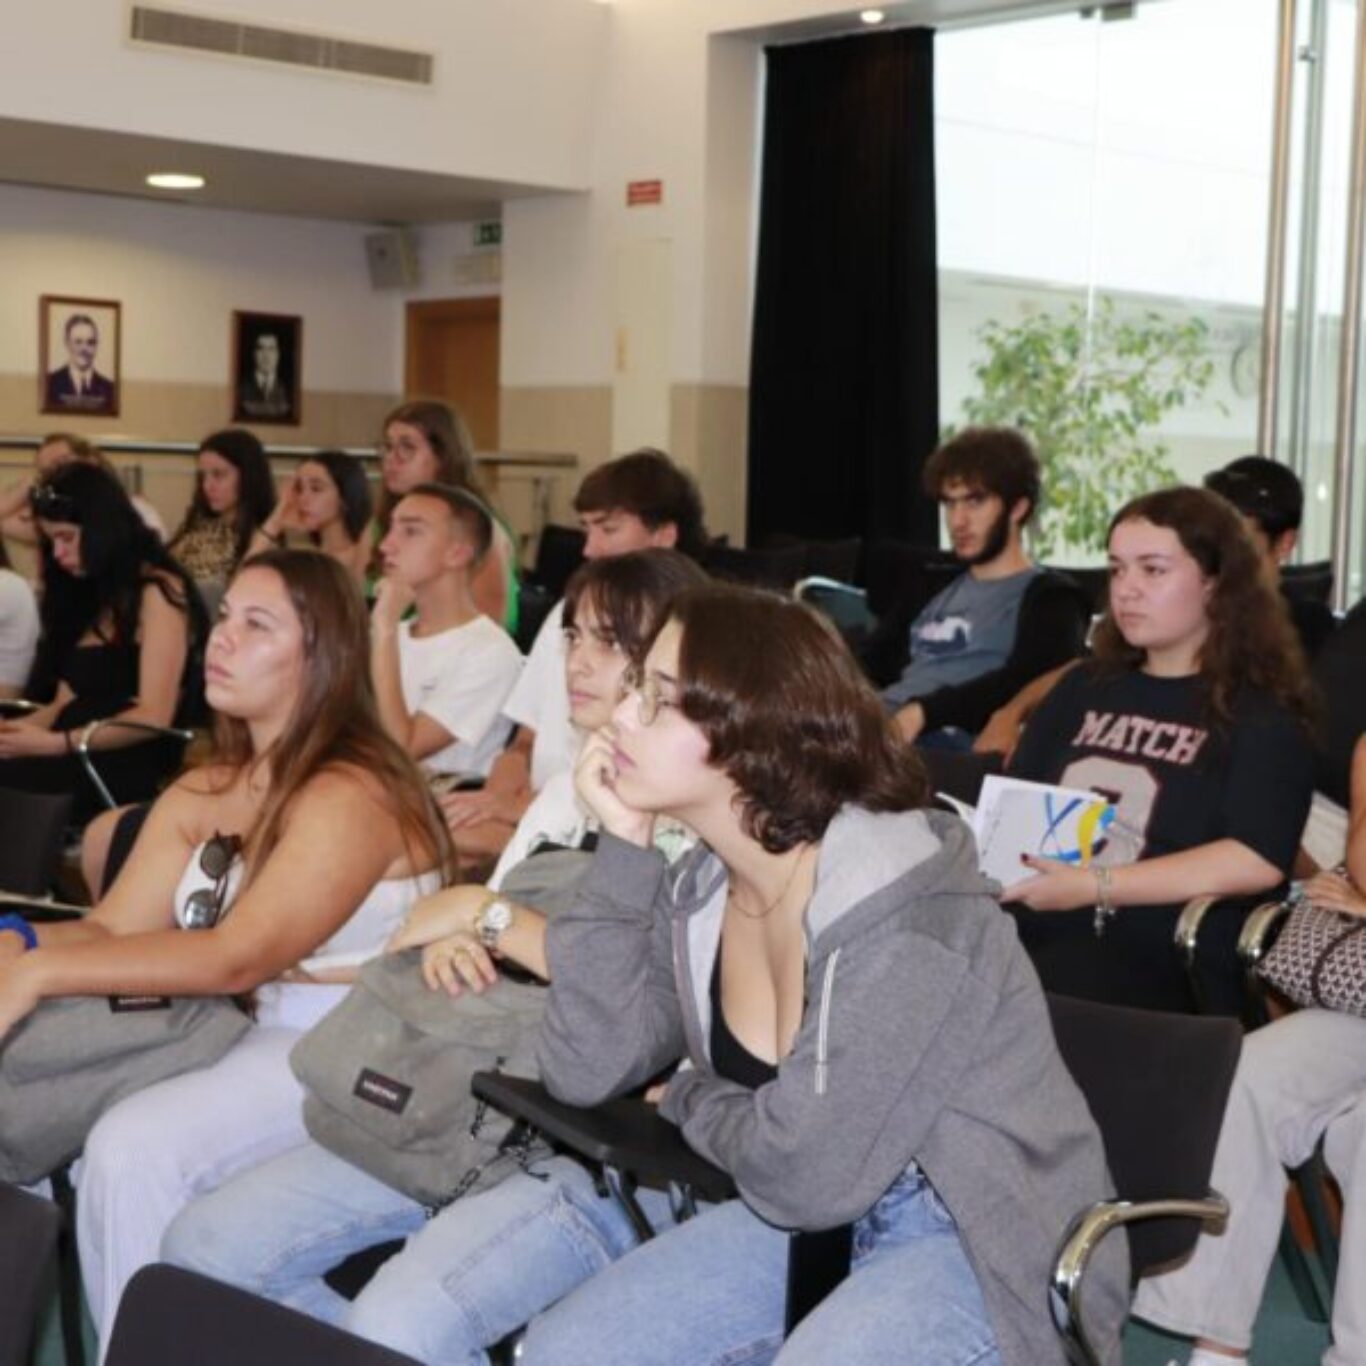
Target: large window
x,y
1103,191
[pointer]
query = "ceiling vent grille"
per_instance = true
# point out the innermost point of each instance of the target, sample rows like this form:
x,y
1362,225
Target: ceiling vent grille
x,y
226,37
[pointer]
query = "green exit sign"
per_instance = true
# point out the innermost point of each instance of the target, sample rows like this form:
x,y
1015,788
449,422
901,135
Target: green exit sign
x,y
488,234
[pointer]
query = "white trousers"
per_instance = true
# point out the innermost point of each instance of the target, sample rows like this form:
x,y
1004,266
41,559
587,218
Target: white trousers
x,y
157,1150
1300,1079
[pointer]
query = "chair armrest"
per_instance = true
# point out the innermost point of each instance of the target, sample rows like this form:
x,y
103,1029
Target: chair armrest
x,y
17,706
1084,1236
41,910
87,734
1255,938
625,1135
1187,933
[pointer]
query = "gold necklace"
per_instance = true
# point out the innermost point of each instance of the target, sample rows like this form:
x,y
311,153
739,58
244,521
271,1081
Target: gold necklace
x,y
777,900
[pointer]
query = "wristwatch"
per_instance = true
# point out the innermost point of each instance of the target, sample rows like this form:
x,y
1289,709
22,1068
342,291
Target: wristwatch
x,y
494,917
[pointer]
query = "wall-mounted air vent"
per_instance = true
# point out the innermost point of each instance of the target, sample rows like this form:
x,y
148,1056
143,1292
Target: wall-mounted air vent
x,y
228,38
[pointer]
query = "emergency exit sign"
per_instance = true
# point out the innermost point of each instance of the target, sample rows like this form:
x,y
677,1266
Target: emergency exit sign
x,y
640,192
488,234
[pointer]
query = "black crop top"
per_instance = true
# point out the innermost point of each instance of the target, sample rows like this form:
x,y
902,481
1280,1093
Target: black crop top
x,y
729,1057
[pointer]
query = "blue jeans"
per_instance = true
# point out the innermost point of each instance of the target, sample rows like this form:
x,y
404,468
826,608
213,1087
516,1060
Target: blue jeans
x,y
466,1278
711,1292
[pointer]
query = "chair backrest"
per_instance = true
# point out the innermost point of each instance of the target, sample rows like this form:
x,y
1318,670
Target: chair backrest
x,y
169,1316
28,1248
1338,670
32,827
559,552
1157,1085
1312,581
777,567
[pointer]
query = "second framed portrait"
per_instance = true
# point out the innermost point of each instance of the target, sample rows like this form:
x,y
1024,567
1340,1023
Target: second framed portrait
x,y
78,356
267,368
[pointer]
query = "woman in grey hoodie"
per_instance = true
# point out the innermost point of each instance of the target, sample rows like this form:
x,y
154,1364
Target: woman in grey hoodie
x,y
866,1042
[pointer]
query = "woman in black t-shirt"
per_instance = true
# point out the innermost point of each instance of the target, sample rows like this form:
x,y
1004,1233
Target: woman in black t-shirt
x,y
1193,718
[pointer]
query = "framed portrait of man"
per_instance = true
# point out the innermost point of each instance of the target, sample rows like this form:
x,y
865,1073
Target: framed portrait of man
x,y
267,368
78,356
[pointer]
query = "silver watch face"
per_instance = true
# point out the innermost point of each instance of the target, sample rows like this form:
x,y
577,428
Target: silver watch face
x,y
494,919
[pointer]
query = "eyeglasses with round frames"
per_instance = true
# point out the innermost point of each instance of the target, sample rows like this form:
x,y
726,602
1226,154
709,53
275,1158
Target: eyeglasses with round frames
x,y
650,699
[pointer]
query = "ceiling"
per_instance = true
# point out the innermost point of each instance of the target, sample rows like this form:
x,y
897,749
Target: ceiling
x,y
105,162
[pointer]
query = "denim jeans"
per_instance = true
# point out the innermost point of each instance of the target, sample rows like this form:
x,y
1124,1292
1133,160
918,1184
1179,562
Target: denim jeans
x,y
711,1292
468,1277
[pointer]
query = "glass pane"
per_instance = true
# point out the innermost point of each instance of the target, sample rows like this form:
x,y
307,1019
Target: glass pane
x,y
1102,220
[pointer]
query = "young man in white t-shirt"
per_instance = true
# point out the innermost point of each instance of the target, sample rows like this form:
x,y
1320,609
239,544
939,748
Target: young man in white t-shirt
x,y
635,502
442,677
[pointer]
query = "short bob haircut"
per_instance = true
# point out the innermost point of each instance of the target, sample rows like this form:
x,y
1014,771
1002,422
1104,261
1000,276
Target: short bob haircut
x,y
630,594
353,488
648,485
787,714
468,511
996,460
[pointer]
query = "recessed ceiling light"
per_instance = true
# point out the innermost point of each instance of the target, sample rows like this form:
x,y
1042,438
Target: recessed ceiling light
x,y
872,16
175,180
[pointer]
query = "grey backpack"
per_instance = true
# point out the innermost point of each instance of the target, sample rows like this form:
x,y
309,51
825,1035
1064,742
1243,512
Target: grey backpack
x,y
387,1071
75,1056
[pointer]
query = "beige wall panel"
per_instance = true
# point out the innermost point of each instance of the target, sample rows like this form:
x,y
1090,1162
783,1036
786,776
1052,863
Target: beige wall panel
x,y
573,419
709,435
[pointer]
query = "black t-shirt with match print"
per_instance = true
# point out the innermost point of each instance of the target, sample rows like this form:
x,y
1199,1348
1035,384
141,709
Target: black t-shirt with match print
x,y
1179,781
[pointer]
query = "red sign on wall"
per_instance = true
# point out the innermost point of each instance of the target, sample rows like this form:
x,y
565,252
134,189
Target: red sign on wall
x,y
640,192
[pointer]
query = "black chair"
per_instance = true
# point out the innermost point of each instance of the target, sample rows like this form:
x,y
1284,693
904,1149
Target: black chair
x,y
843,605
29,1228
169,1316
780,567
559,552
32,831
1312,581
1156,1084
1338,671
1093,580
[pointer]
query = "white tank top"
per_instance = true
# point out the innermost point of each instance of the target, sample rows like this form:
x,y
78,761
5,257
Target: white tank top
x,y
299,1005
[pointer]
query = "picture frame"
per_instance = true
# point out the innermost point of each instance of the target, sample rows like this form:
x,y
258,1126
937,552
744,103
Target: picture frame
x,y
267,368
80,344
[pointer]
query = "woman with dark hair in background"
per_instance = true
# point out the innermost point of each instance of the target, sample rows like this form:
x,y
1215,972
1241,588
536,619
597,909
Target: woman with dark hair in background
x,y
327,499
1193,718
234,493
273,869
426,442
122,629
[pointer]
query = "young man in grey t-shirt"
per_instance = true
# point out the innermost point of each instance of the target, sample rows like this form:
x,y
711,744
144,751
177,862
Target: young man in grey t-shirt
x,y
1003,621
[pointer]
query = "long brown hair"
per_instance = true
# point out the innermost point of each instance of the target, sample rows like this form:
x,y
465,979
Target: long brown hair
x,y
1251,641
788,715
448,436
335,721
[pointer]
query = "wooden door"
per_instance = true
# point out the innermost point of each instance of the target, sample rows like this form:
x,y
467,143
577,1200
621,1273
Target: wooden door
x,y
452,354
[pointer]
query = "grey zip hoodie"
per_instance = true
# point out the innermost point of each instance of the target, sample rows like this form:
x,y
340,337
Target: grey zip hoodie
x,y
925,1038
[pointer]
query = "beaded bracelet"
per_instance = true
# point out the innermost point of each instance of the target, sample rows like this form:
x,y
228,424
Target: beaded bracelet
x,y
1105,907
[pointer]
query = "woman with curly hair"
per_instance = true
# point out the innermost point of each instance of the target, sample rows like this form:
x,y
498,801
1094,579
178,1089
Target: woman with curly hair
x,y
1193,718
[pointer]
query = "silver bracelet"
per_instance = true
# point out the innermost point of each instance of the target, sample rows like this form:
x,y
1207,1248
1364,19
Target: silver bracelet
x,y
1105,907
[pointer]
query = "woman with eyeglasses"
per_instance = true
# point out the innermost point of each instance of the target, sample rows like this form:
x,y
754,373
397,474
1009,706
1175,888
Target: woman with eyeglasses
x,y
274,869
426,442
865,1041
122,632
327,501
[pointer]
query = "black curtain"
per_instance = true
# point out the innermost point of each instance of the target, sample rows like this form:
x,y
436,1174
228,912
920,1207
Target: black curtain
x,y
844,382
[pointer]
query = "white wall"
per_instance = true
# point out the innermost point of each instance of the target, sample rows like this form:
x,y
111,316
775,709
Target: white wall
x,y
180,272
512,99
